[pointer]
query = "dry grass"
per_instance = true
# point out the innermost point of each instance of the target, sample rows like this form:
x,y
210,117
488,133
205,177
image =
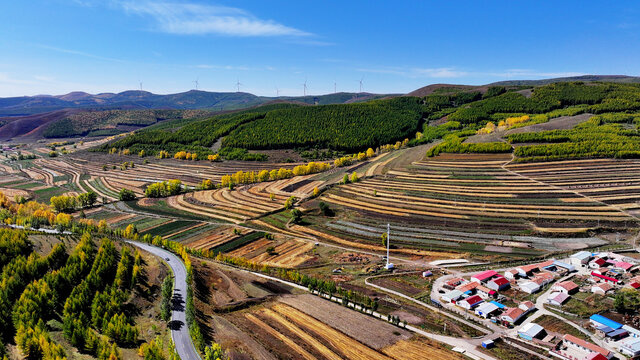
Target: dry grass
x,y
411,350
348,346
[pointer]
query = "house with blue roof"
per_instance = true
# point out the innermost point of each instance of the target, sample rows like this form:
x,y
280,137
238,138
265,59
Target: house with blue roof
x,y
600,321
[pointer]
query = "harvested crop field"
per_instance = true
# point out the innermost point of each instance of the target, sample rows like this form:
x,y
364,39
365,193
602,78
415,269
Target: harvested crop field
x,y
466,200
411,350
307,327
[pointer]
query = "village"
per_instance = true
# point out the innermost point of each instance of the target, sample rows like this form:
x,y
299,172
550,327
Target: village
x,y
515,298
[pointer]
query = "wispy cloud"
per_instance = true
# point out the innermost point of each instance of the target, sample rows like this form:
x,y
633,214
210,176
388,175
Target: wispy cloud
x,y
199,19
443,72
77,52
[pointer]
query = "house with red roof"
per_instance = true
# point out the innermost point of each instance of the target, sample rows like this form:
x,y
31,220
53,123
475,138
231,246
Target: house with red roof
x,y
590,350
602,288
498,284
470,302
484,276
568,287
597,263
604,277
512,315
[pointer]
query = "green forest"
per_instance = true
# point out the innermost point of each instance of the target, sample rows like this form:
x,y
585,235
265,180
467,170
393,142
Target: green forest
x,y
85,289
456,111
348,127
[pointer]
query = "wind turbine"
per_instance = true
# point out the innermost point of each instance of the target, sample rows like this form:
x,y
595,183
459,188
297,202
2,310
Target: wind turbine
x,y
362,78
196,82
334,87
304,87
238,85
277,92
140,85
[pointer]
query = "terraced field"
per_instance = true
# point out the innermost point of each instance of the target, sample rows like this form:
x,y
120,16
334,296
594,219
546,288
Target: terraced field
x,y
244,202
467,202
613,182
288,254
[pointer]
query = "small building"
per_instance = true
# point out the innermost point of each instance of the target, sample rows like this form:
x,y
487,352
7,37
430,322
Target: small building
x,y
602,288
580,258
617,335
527,306
557,298
427,273
512,315
485,292
603,330
630,347
470,302
486,310
469,287
529,287
543,279
451,284
597,263
567,287
498,284
499,305
598,320
488,344
484,276
511,274
604,277
531,331
564,265
452,296
633,332
527,270
589,348
623,266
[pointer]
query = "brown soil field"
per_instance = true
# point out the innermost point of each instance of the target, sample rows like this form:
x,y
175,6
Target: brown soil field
x,y
411,350
374,333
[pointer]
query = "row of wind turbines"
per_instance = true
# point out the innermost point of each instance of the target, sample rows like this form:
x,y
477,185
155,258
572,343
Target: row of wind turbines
x,y
304,86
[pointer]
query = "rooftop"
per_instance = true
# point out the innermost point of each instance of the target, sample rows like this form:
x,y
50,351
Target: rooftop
x,y
605,321
586,344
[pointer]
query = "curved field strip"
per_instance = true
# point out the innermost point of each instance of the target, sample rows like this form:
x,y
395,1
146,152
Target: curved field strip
x,y
335,239
35,175
350,347
463,212
472,207
179,203
304,335
215,239
411,350
251,247
185,229
288,255
286,340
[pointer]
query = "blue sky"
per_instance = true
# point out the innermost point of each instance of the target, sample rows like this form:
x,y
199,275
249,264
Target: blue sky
x,y
58,46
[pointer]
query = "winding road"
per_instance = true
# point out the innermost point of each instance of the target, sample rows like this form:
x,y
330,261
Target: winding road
x,y
178,325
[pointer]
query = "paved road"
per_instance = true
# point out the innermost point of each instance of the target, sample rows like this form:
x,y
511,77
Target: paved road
x,y
179,330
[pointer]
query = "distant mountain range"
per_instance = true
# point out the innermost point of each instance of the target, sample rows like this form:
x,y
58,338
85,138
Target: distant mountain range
x,y
30,117
138,100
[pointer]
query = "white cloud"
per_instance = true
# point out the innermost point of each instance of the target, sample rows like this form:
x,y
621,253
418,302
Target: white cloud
x,y
198,19
444,72
76,52
440,72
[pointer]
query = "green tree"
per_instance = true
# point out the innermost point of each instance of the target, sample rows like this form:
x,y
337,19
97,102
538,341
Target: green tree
x,y
126,195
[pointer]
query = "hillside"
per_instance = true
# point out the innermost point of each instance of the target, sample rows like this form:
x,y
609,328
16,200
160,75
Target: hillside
x,y
136,99
585,78
459,111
